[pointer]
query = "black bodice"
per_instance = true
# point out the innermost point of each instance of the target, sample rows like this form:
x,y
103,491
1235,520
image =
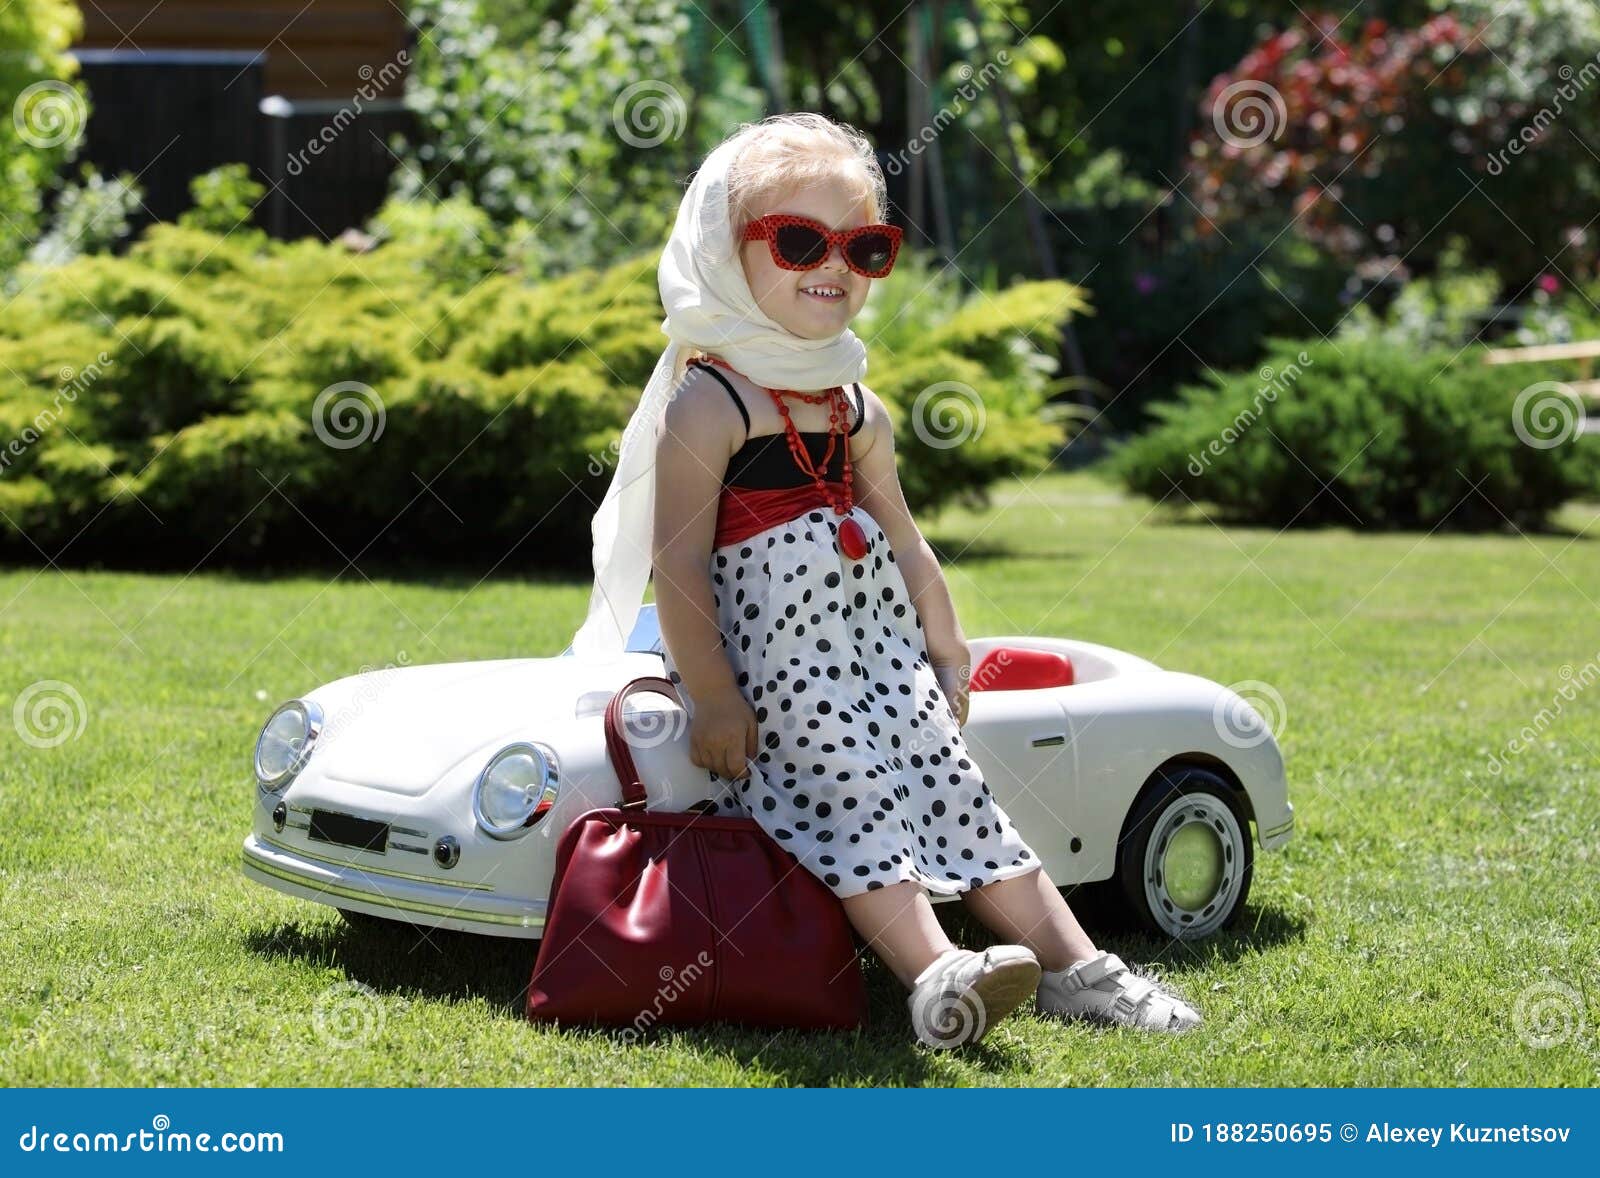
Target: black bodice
x,y
764,461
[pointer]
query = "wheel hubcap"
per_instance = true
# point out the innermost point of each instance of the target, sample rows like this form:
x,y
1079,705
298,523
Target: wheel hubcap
x,y
1193,865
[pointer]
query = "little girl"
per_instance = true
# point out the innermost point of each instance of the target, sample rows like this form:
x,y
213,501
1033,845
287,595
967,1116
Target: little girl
x,y
807,623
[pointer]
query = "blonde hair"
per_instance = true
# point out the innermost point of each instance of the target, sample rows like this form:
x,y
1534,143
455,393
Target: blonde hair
x,y
784,153
787,152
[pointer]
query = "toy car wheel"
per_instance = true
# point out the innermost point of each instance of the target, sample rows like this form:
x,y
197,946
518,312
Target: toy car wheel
x,y
1185,857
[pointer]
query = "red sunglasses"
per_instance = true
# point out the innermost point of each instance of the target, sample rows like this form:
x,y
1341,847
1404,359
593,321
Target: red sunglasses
x,y
799,243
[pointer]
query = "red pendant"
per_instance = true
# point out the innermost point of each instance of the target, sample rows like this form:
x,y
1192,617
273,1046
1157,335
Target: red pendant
x,y
852,540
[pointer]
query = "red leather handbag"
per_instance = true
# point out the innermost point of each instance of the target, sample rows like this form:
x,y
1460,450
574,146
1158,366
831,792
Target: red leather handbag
x,y
682,917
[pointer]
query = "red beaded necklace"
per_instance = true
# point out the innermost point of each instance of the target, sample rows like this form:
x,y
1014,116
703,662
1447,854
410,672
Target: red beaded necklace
x,y
852,539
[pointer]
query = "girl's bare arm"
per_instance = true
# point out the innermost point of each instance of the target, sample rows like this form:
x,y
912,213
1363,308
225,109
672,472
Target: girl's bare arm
x,y
876,482
695,439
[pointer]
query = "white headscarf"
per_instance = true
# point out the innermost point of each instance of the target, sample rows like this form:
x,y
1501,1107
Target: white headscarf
x,y
709,309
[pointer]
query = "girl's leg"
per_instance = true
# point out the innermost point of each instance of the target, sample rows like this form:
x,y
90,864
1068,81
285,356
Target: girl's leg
x,y
898,922
1027,910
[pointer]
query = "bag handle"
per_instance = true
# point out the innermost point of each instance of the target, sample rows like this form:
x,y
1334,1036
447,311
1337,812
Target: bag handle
x,y
633,792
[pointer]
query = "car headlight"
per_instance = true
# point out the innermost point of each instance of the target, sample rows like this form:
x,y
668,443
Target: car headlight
x,y
515,789
285,743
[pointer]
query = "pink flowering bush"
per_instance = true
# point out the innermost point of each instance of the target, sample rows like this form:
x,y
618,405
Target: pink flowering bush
x,y
1380,143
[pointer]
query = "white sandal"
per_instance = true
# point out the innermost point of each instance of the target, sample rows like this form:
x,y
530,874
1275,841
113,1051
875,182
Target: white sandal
x,y
963,993
1103,989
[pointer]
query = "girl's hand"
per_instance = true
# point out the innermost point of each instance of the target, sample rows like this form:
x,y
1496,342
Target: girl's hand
x,y
953,682
723,735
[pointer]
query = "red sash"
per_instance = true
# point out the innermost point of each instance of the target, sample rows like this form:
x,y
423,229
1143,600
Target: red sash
x,y
744,511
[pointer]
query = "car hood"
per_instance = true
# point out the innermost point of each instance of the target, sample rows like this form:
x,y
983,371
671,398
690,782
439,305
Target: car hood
x,y
402,729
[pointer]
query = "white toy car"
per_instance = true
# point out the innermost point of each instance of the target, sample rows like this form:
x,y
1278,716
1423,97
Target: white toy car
x,y
435,794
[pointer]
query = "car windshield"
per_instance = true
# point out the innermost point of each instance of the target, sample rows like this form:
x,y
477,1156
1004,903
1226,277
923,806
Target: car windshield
x,y
645,637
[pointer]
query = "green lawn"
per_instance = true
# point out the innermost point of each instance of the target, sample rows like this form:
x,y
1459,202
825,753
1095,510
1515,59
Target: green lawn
x,y
1421,899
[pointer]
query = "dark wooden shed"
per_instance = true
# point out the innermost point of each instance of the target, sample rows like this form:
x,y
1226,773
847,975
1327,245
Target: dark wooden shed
x,y
306,93
309,50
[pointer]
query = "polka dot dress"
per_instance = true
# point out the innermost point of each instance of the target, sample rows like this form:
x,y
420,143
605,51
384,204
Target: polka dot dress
x,y
861,772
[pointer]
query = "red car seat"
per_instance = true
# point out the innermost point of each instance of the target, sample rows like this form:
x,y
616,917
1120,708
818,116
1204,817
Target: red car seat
x,y
1018,668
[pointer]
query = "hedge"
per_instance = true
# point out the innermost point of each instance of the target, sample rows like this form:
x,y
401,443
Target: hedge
x,y
1398,438
160,409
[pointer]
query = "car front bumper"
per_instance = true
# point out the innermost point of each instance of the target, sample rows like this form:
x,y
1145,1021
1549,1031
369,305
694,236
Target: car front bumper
x,y
1275,834
389,895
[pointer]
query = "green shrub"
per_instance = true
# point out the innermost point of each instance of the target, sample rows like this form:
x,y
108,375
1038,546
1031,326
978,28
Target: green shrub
x,y
571,142
91,215
235,400
1360,433
224,199
964,377
42,115
452,238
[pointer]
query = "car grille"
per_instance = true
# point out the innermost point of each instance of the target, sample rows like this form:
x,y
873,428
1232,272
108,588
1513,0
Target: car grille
x,y
362,832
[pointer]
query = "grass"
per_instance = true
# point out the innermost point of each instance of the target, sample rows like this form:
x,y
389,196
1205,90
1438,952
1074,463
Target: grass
x,y
1417,930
